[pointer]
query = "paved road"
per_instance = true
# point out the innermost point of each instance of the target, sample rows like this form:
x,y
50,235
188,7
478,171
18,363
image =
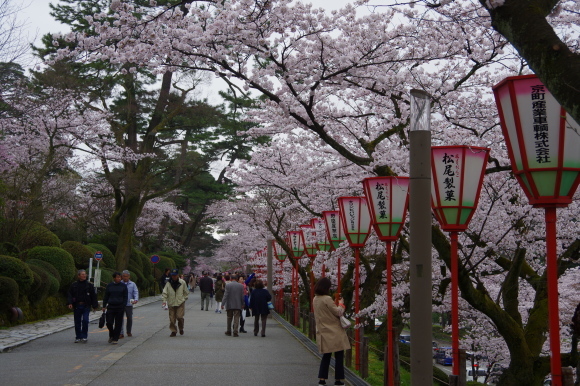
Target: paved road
x,y
203,356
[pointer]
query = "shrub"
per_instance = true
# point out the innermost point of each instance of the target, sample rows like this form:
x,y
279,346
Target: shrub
x,y
107,239
8,293
17,270
80,253
45,266
136,259
54,285
108,256
164,262
147,265
41,285
60,259
33,234
9,249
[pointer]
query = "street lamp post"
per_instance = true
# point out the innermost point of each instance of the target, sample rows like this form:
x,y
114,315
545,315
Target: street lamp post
x,y
388,201
543,144
309,237
280,254
297,249
457,176
322,242
420,239
335,236
356,222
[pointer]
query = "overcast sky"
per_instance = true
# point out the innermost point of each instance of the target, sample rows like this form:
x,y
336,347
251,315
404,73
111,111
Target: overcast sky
x,y
40,22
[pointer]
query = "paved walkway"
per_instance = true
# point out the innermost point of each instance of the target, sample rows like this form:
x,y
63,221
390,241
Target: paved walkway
x,y
285,357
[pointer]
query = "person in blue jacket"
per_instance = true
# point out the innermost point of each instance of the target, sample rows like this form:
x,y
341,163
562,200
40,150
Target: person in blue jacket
x,y
259,305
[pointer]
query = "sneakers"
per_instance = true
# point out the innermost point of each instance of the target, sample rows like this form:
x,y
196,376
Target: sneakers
x,y
116,341
121,336
216,311
83,341
173,334
220,311
77,340
110,340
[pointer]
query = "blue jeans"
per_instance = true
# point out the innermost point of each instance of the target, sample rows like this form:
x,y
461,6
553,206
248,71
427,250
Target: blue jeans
x,y
81,315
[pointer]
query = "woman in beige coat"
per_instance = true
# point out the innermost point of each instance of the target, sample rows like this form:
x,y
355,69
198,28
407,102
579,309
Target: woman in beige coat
x,y
330,336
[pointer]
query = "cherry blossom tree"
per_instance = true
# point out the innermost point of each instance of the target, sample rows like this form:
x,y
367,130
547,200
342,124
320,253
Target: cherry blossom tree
x,y
336,104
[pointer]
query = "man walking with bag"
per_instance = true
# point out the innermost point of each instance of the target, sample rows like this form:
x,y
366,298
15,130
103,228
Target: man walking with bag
x,y
174,296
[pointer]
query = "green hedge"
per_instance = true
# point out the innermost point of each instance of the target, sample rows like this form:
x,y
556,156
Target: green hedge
x,y
54,285
164,262
80,253
33,234
46,266
109,240
9,249
41,286
136,259
8,293
19,271
108,260
60,259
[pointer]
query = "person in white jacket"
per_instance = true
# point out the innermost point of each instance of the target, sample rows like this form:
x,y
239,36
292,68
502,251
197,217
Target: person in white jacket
x,y
174,295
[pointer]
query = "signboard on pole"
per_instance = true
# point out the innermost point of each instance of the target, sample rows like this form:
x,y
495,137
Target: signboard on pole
x,y
155,259
97,277
98,255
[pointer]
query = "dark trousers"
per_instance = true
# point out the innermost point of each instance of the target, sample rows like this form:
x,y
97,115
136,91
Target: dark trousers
x,y
233,315
338,365
81,316
129,313
115,322
257,324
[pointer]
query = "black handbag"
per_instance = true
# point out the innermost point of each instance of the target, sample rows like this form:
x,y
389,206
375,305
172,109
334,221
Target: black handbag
x,y
102,320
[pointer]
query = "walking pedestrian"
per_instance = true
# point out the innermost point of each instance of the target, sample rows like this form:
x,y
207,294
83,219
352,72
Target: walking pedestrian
x,y
114,301
206,288
133,293
192,282
220,287
174,296
164,279
259,305
330,336
246,310
234,303
81,296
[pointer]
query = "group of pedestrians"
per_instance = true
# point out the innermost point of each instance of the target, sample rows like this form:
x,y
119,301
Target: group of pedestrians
x,y
119,298
239,296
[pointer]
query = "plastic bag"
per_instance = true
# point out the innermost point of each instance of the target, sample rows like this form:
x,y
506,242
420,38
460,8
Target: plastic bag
x,y
344,322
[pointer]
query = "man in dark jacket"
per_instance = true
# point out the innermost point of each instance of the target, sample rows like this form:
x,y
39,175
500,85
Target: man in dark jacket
x,y
206,289
81,296
114,301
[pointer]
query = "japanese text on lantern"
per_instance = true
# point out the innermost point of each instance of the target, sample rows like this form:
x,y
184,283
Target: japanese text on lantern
x,y
450,172
351,214
382,196
542,146
333,226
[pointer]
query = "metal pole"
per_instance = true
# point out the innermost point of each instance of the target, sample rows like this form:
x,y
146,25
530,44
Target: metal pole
x,y
420,240
357,336
391,364
454,303
553,313
269,267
